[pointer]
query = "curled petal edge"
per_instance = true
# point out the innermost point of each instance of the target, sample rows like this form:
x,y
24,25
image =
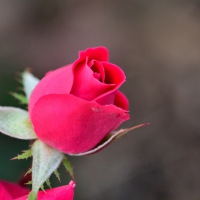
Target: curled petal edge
x,y
109,139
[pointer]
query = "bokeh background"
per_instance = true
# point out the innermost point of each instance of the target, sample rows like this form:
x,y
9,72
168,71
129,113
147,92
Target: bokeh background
x,y
157,44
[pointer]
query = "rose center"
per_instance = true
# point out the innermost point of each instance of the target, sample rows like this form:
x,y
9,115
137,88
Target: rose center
x,y
97,76
98,71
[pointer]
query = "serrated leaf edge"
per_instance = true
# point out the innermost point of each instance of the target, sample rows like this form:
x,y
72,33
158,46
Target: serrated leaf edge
x,y
25,155
68,167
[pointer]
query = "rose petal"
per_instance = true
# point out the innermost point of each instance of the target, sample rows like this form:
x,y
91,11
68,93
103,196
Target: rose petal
x,y
59,193
86,86
98,53
107,99
72,125
56,82
121,101
11,190
113,75
4,193
98,68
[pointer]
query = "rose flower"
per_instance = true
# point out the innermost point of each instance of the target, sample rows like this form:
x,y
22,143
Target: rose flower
x,y
75,107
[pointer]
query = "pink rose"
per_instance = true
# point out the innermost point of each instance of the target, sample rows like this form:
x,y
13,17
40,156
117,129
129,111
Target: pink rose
x,y
11,191
76,106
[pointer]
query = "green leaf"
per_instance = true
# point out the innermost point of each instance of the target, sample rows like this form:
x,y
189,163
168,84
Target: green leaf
x,y
45,161
68,167
26,154
20,97
15,122
57,175
29,82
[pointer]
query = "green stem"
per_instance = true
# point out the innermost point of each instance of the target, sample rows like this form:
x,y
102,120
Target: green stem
x,y
32,196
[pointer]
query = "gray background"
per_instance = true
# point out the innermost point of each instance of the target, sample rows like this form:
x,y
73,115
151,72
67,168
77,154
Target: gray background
x,y
157,44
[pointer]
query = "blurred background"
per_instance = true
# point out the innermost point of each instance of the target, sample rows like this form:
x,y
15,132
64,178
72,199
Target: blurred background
x,y
157,44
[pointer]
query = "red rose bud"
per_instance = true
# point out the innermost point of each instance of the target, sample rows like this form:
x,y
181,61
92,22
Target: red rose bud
x,y
76,106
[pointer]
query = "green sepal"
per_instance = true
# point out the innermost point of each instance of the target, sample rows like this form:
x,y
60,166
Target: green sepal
x,y
29,82
18,78
28,183
45,161
57,175
48,183
20,97
42,188
25,155
68,167
109,139
28,172
15,122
